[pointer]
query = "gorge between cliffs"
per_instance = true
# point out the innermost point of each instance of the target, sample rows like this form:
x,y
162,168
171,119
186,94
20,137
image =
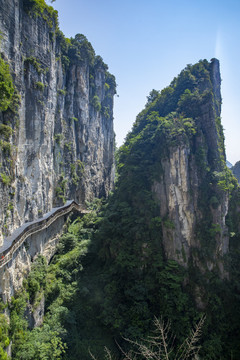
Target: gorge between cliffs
x,y
100,247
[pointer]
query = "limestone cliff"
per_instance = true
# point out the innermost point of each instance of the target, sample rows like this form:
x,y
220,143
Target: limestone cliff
x,y
61,140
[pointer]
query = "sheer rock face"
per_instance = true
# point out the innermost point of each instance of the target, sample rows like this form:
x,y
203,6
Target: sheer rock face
x,y
177,205
178,195
61,147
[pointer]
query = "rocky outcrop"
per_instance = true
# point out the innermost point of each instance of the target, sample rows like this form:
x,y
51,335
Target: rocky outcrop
x,y
62,140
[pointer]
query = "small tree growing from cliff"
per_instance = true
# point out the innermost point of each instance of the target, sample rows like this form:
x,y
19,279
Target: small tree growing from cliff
x,y
96,103
6,86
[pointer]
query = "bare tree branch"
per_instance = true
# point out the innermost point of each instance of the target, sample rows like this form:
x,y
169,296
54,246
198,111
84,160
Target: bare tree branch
x,y
161,345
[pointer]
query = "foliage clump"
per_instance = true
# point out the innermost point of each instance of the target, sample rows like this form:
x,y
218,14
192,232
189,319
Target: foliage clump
x,y
6,131
61,188
40,86
40,8
35,63
6,179
37,277
96,103
7,88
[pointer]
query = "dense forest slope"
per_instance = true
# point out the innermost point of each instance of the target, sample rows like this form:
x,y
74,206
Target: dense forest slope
x,y
56,116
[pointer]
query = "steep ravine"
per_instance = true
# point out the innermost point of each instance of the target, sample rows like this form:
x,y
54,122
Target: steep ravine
x,y
62,141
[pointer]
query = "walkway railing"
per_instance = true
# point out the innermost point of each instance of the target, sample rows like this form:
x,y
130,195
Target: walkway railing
x,y
13,242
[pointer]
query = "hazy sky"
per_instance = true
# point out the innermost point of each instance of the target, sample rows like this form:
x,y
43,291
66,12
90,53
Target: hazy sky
x,y
146,43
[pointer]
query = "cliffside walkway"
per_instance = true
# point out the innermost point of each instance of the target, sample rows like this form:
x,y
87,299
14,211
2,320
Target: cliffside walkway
x,y
13,242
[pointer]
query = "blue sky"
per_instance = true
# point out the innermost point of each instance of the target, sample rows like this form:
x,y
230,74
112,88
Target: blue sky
x,y
146,43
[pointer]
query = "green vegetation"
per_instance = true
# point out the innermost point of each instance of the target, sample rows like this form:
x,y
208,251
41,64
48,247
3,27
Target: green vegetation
x,y
6,86
225,180
61,188
110,84
10,206
40,8
74,176
105,112
4,333
68,146
75,50
81,49
40,86
74,119
62,92
36,281
6,147
58,138
96,103
6,179
6,131
34,62
78,50
77,171
109,88
106,86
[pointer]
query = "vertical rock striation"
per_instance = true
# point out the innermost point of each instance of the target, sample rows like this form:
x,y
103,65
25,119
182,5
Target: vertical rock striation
x,y
62,140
